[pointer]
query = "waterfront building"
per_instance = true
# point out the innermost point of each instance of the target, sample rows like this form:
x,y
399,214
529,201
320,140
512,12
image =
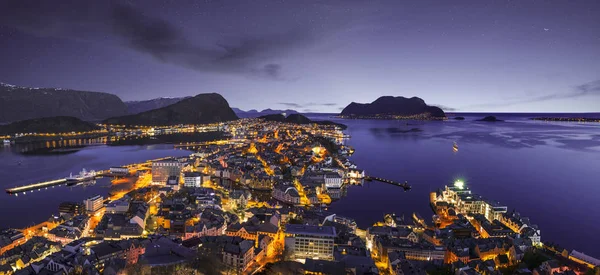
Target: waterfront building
x,y
119,171
582,258
333,180
94,203
161,170
310,241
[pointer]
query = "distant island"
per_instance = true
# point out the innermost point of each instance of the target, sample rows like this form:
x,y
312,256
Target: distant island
x,y
200,109
490,119
254,113
567,119
22,103
389,107
59,124
299,119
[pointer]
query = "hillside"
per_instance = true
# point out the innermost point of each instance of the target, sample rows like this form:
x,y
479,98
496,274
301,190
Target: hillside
x,y
393,106
136,107
60,124
299,119
200,109
22,103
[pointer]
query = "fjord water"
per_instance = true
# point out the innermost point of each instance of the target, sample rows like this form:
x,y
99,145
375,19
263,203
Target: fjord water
x,y
549,172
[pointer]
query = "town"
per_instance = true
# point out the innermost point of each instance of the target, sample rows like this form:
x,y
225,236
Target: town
x,y
257,202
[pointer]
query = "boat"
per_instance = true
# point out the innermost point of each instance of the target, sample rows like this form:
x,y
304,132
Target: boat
x,y
6,142
84,175
455,147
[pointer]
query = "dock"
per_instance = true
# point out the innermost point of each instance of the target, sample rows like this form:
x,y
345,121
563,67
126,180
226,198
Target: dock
x,y
404,185
35,186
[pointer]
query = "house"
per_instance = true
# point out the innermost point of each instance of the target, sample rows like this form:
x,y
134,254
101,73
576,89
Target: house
x,y
239,255
286,193
239,198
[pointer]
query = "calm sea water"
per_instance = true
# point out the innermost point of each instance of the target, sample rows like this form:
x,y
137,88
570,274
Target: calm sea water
x,y
37,206
549,172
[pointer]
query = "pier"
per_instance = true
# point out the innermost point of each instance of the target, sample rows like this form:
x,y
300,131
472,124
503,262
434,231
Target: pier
x,y
404,185
35,186
51,183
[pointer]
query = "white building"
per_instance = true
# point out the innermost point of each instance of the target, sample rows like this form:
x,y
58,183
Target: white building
x,y
194,179
93,204
333,180
119,171
310,241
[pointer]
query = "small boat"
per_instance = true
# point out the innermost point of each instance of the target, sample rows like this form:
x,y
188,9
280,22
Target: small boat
x,y
6,142
455,147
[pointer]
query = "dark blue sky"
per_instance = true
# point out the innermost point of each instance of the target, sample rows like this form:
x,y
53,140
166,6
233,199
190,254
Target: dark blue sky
x,y
528,56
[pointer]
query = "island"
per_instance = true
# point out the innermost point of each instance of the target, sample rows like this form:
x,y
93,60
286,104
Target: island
x,y
200,109
300,119
389,107
567,119
490,119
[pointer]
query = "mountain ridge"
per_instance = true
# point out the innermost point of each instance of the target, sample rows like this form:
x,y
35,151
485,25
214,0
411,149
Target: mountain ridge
x,y
200,109
21,103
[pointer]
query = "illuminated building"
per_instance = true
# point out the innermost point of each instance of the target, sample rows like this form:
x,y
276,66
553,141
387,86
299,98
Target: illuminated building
x,y
310,241
93,204
333,180
119,171
161,170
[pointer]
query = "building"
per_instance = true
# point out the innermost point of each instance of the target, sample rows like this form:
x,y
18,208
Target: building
x,y
286,193
333,180
239,256
192,179
93,204
117,207
161,170
119,171
71,208
310,241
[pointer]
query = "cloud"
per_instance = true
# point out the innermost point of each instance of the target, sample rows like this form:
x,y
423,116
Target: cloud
x,y
306,105
445,108
290,104
101,21
586,89
168,44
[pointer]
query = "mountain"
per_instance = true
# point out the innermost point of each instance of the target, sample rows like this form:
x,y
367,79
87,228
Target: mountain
x,y
255,113
136,107
299,119
59,124
21,103
200,109
393,106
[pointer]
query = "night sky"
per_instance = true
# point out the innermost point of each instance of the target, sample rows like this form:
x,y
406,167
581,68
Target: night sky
x,y
313,56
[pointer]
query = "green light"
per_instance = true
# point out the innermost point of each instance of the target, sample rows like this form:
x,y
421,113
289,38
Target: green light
x,y
459,183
